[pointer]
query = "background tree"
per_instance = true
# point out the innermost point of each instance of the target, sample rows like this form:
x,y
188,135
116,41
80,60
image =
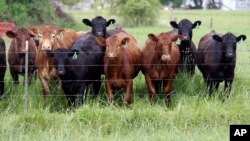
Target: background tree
x,y
32,12
136,12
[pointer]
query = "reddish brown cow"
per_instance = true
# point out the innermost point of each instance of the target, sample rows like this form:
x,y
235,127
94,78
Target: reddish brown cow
x,y
50,38
160,58
121,63
16,53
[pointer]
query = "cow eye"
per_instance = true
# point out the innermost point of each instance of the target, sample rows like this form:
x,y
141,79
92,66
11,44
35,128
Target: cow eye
x,y
53,35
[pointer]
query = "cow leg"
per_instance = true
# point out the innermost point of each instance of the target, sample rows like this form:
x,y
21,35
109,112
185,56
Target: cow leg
x,y
127,96
97,86
109,93
227,88
151,89
168,90
1,87
14,76
45,86
71,99
82,93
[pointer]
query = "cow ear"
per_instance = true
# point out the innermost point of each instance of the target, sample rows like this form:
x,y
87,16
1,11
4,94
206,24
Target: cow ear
x,y
217,38
49,53
101,41
125,41
110,22
73,53
11,34
177,37
241,38
196,24
152,37
33,31
174,24
87,22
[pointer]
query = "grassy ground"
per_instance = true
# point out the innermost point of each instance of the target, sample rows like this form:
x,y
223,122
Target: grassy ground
x,y
192,117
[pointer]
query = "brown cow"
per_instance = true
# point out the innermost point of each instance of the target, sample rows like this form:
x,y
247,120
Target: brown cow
x,y
50,38
16,53
121,63
160,58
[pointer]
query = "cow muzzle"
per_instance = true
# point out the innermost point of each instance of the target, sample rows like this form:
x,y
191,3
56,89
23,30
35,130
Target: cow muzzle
x,y
166,57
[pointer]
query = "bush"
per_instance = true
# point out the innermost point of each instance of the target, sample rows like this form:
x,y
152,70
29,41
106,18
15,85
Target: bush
x,y
137,12
31,12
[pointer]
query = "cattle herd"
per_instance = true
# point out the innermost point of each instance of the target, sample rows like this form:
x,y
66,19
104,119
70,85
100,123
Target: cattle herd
x,y
77,59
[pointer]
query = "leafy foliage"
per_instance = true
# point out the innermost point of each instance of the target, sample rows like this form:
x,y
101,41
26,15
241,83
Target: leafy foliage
x,y
136,12
28,12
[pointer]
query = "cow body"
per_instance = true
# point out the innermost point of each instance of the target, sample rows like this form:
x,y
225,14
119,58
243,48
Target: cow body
x,y
216,58
77,73
187,47
122,63
2,65
50,38
160,58
16,53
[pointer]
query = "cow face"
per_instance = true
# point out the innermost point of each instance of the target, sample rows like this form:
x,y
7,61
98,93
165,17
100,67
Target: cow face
x,y
21,36
61,57
47,36
185,28
113,45
99,25
228,43
163,45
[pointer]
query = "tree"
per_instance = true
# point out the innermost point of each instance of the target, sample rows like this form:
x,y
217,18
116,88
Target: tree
x,y
136,12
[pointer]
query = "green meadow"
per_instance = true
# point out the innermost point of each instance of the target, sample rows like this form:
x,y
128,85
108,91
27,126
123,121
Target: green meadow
x,y
192,117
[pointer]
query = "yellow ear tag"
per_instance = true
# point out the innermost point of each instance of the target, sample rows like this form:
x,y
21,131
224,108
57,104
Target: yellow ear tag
x,y
178,41
197,26
60,36
74,57
241,41
126,45
111,25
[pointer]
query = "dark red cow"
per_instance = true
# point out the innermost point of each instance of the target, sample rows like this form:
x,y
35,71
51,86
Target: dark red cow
x,y
216,58
2,66
16,53
122,62
160,58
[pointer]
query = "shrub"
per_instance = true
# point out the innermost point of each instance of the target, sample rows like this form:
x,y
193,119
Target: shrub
x,y
31,12
136,12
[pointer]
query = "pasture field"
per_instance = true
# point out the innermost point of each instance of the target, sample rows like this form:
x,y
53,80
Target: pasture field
x,y
192,117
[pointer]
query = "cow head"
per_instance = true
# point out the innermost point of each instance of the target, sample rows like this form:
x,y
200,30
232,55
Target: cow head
x,y
47,36
21,36
228,43
113,45
185,27
61,57
99,25
163,45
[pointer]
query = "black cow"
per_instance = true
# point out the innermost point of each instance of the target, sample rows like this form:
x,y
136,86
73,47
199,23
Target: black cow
x,y
216,57
2,65
79,66
99,25
186,46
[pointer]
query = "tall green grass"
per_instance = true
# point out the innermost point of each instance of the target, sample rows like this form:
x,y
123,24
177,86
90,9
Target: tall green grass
x,y
192,117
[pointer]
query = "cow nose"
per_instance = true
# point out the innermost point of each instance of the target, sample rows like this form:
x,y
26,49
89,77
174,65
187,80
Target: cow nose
x,y
46,47
230,55
60,72
111,55
99,33
166,57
